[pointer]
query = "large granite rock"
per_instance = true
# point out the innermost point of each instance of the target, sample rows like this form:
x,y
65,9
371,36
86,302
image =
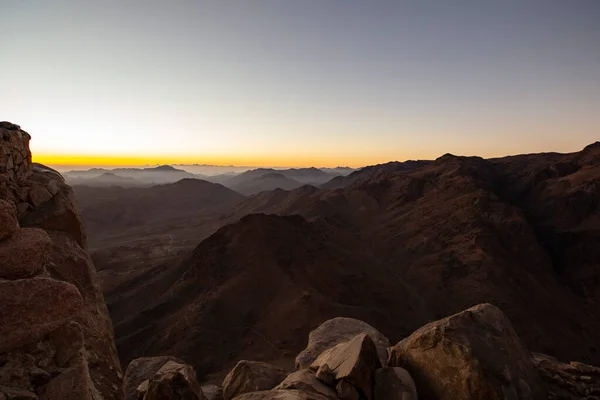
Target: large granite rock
x,y
32,308
173,381
24,253
394,384
350,367
251,376
140,370
339,330
474,354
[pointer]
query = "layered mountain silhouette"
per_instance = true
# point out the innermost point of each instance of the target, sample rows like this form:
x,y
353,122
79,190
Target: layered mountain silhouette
x,y
395,245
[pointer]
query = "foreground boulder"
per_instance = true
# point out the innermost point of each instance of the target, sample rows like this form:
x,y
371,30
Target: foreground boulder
x,y
173,381
349,367
251,376
140,370
394,384
306,381
339,330
474,354
568,381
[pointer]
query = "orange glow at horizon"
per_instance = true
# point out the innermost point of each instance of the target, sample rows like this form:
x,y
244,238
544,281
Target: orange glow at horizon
x,y
240,161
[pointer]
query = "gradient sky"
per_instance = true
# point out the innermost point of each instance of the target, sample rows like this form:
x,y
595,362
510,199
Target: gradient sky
x,y
297,83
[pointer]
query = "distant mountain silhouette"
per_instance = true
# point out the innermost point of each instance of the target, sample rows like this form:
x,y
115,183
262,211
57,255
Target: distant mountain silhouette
x,y
118,209
141,176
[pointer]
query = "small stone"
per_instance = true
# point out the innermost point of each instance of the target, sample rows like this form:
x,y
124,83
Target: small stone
x,y
68,342
38,195
53,187
13,393
39,377
346,391
22,207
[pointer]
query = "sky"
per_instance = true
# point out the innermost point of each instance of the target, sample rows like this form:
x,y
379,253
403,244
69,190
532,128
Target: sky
x,y
299,83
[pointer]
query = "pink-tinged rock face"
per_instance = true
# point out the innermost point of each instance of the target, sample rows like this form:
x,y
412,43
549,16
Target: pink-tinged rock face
x,y
23,254
32,308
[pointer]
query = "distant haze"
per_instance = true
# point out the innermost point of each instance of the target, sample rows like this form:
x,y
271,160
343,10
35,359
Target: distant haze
x,y
299,83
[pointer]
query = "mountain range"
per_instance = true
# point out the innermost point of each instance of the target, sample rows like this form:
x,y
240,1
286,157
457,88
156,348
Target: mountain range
x,y
395,245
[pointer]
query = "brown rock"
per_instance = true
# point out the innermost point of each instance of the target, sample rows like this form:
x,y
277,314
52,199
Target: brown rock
x,y
8,220
354,362
474,354
38,195
306,381
73,383
339,330
68,342
212,392
346,391
173,381
32,308
142,369
69,261
58,212
394,384
24,253
568,381
251,376
14,393
281,395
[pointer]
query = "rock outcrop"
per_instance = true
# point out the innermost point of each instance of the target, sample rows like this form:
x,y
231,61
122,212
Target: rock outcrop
x,y
339,330
474,354
57,339
251,376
